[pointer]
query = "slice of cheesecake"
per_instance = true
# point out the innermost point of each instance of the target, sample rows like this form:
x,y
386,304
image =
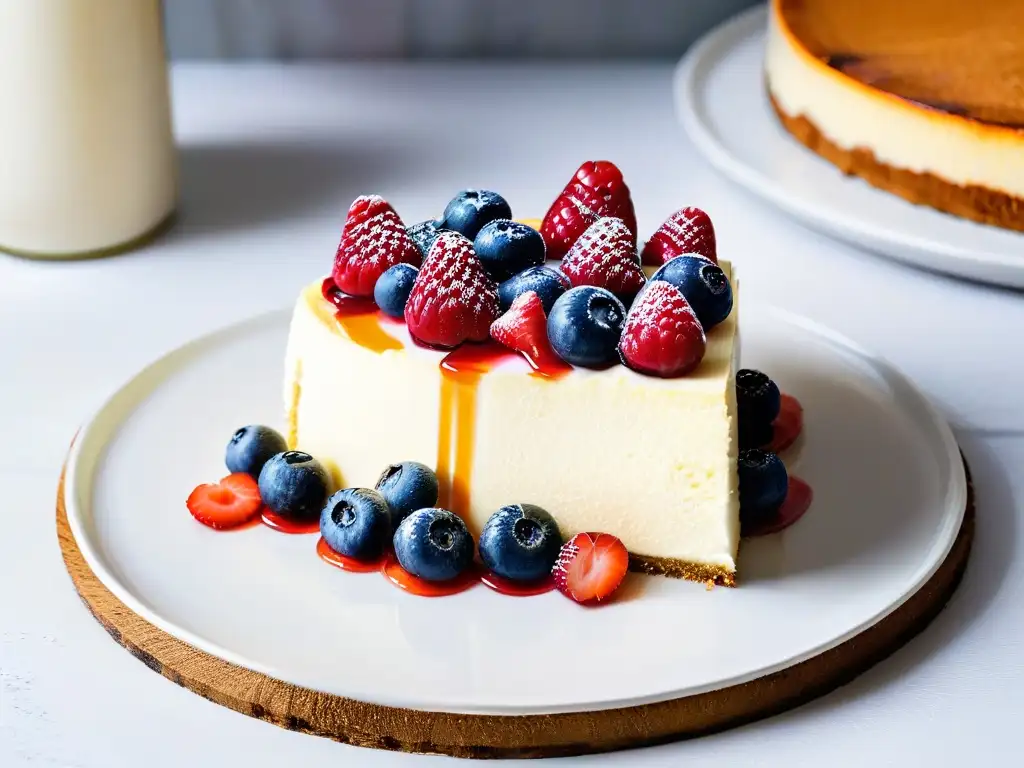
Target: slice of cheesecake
x,y
652,461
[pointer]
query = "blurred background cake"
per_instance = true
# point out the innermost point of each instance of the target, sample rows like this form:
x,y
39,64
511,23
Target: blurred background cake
x,y
922,98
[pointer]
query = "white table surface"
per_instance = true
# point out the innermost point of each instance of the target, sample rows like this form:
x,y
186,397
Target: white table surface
x,y
271,156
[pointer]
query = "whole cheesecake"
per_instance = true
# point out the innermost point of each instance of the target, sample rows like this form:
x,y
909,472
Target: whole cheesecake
x,y
922,98
649,460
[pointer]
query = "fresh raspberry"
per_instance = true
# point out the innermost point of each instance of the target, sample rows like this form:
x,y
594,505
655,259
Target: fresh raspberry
x,y
372,240
453,300
605,180
590,567
661,335
605,256
233,501
597,189
565,221
524,328
686,231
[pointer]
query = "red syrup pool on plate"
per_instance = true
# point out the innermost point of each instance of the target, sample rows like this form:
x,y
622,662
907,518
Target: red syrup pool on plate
x,y
392,570
287,525
798,501
505,586
787,425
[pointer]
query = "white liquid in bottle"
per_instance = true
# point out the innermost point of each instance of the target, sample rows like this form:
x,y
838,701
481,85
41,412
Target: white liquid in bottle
x,y
86,149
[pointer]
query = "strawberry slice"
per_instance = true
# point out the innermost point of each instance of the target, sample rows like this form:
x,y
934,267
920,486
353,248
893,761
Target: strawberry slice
x,y
605,256
233,501
453,300
524,328
597,189
662,335
688,230
590,567
372,241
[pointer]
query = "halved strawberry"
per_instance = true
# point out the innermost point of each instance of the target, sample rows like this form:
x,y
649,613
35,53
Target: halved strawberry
x,y
233,501
597,189
590,567
524,328
372,240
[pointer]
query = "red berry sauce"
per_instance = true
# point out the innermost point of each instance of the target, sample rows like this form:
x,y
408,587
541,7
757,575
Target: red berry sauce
x,y
798,501
287,525
787,425
392,570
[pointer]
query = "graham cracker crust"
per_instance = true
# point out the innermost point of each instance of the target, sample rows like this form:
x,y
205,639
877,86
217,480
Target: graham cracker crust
x,y
680,569
973,202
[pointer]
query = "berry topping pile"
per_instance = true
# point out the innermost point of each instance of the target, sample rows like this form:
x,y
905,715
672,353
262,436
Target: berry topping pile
x,y
452,277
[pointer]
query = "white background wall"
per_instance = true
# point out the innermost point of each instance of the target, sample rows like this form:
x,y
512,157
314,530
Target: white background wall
x,y
287,29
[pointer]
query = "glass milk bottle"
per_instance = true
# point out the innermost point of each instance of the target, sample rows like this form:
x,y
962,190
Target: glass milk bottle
x,y
87,161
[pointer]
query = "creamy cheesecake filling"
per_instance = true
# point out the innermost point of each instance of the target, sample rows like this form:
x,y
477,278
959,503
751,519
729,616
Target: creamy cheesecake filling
x,y
853,116
652,461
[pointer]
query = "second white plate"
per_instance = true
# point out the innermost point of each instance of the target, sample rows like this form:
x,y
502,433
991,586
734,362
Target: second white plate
x,y
722,104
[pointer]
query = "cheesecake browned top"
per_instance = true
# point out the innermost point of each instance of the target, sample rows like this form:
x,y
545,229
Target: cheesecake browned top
x,y
965,57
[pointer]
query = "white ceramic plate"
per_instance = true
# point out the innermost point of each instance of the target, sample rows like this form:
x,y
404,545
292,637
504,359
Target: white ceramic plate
x,y
721,101
890,495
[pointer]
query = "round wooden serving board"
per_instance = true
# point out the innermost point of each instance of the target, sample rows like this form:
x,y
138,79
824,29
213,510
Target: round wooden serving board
x,y
491,736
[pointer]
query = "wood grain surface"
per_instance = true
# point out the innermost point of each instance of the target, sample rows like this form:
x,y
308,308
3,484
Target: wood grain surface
x,y
488,736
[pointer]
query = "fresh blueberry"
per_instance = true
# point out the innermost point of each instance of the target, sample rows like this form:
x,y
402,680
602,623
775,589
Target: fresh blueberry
x,y
758,399
520,542
547,282
407,487
755,434
704,285
424,234
472,208
764,484
433,544
393,288
251,447
356,522
584,326
506,248
294,484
